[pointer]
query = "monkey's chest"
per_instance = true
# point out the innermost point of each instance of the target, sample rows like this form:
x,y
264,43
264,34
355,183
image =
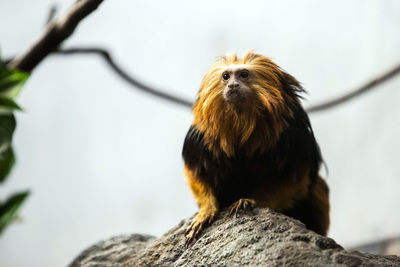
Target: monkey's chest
x,y
235,179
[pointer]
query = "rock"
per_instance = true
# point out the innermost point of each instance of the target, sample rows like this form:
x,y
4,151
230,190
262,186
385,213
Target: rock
x,y
260,237
117,251
383,247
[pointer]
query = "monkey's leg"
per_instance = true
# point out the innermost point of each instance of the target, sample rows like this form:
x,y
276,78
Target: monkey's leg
x,y
313,210
241,205
207,203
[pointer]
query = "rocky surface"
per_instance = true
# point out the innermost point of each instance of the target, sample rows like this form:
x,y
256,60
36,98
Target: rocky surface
x,y
389,246
260,237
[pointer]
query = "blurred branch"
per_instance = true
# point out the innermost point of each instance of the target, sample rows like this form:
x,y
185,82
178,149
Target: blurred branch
x,y
56,32
154,91
52,14
59,30
124,75
357,92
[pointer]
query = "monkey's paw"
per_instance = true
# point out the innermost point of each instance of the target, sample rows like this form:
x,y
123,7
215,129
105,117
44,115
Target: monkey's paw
x,y
197,225
241,205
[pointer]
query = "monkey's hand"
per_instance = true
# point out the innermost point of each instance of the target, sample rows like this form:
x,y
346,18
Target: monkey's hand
x,y
202,219
241,205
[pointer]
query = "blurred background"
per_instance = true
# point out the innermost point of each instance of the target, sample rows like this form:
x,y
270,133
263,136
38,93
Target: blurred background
x,y
103,159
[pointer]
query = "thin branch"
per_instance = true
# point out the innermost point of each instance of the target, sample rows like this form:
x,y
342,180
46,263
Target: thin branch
x,y
154,91
6,61
124,75
52,14
59,30
357,92
56,32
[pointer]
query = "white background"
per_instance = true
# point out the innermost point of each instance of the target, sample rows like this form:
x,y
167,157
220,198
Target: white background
x,y
102,159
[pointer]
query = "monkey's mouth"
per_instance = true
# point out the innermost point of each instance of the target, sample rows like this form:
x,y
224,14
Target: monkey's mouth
x,y
235,96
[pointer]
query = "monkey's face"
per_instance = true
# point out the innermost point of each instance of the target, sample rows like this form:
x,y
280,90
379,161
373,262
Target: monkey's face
x,y
235,80
251,84
240,98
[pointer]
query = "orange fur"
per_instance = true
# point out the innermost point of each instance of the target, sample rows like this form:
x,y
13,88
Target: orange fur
x,y
205,200
202,193
320,199
225,127
313,210
251,144
283,194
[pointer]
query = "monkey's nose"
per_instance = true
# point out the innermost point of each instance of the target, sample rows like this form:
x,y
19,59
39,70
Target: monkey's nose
x,y
233,85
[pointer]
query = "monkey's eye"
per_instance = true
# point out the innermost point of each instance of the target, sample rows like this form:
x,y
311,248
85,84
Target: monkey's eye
x,y
244,74
226,76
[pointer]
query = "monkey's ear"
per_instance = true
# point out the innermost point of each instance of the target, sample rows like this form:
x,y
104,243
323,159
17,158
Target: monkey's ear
x,y
291,86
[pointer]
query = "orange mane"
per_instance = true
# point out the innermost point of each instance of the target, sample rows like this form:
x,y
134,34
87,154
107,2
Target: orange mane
x,y
259,125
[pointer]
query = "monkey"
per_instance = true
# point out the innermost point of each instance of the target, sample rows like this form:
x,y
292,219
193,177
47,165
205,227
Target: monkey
x,y
251,144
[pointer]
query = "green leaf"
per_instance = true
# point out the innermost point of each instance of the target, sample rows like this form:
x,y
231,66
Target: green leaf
x,y
7,105
9,208
7,127
11,82
7,161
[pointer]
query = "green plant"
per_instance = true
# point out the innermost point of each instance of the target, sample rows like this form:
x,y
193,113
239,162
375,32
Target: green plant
x,y
11,82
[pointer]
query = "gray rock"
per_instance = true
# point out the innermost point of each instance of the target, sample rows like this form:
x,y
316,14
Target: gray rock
x,y
260,237
383,247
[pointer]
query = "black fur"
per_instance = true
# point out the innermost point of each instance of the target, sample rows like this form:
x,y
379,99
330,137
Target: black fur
x,y
238,176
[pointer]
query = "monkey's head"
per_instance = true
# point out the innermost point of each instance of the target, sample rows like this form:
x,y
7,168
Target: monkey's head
x,y
245,103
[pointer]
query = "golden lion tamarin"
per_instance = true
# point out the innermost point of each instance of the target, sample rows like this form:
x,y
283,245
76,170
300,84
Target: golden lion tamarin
x,y
251,145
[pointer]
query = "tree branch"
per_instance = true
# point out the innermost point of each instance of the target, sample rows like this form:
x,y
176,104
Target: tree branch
x,y
59,30
176,99
357,92
124,75
52,14
56,32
